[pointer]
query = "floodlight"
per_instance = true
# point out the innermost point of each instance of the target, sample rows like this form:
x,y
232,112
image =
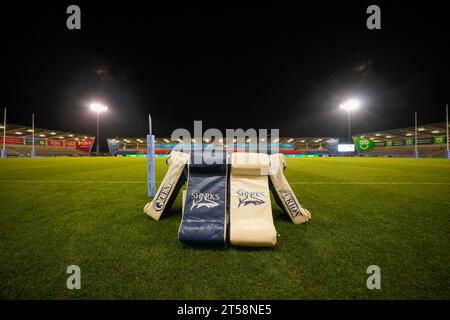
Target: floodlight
x,y
98,107
350,105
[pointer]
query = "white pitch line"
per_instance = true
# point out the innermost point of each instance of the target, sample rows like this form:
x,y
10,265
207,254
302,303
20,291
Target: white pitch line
x,y
371,183
76,181
293,182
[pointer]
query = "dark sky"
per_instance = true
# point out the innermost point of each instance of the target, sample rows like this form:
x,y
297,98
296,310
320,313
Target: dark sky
x,y
232,67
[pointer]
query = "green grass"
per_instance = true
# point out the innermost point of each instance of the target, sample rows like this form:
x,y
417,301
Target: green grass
x,y
361,216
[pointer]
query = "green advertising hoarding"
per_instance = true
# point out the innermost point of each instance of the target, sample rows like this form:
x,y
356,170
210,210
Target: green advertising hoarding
x,y
439,140
363,144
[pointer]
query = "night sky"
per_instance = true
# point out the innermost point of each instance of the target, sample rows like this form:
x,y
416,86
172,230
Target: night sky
x,y
232,67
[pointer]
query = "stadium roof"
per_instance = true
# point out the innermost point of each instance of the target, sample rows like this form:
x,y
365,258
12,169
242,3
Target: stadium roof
x,y
281,140
24,131
423,131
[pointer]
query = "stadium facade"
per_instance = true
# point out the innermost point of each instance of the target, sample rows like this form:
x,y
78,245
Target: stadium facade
x,y
289,146
431,142
19,142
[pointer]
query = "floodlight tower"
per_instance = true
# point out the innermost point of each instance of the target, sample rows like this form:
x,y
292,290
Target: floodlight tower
x,y
349,106
33,151
98,108
446,126
4,155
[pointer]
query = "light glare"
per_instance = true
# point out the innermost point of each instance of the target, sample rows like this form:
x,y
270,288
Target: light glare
x,y
350,105
98,107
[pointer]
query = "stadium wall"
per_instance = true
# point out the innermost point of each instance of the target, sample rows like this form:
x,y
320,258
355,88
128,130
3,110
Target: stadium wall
x,y
22,146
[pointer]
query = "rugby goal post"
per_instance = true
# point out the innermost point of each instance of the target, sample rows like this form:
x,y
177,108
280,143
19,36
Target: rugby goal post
x,y
151,185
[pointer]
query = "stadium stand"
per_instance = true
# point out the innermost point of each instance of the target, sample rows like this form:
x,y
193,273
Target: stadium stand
x,y
47,143
431,142
289,146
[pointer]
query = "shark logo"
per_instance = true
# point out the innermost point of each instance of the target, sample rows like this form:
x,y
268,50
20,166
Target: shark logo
x,y
207,200
249,197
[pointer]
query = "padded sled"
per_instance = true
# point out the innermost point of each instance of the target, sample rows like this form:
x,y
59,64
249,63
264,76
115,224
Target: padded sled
x,y
204,209
251,222
170,186
282,191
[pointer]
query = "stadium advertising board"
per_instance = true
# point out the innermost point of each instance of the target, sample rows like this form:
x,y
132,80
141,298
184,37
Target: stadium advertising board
x,y
37,141
302,155
363,144
136,155
439,140
55,143
113,145
70,144
85,144
425,141
346,148
13,140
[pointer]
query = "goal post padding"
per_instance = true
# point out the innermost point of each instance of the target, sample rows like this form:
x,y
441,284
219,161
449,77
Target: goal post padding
x,y
251,222
205,202
283,193
170,186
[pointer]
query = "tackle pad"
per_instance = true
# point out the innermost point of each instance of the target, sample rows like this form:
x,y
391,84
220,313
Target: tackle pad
x,y
170,186
282,191
251,222
205,203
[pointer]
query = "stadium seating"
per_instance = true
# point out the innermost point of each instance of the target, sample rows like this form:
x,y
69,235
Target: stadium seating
x,y
25,151
425,151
